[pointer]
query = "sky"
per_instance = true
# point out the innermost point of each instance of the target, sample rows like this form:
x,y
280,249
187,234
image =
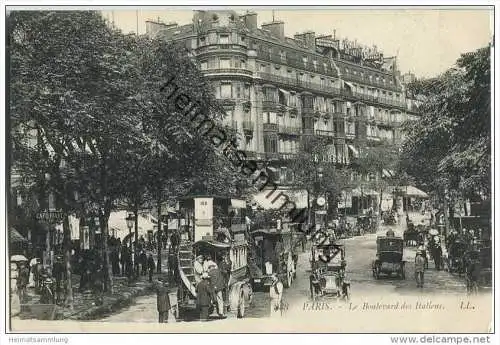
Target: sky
x,y
426,41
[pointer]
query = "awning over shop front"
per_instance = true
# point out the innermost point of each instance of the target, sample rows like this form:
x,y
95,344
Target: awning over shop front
x,y
118,224
346,83
238,203
354,151
16,237
414,192
387,173
357,192
275,199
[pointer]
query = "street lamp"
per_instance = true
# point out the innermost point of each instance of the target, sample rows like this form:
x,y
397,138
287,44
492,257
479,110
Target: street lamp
x,y
130,224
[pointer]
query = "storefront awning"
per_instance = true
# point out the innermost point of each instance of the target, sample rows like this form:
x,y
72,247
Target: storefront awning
x,y
348,85
355,152
238,203
15,236
387,173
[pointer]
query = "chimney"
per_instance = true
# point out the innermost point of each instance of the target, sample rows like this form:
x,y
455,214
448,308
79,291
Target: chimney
x,y
153,27
250,20
276,28
308,38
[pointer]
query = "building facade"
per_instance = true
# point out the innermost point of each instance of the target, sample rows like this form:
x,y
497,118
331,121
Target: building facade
x,y
276,89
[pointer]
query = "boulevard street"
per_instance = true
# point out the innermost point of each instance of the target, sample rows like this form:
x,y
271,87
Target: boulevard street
x,y
360,251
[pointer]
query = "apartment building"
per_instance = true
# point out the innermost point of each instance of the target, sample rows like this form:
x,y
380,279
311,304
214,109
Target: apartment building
x,y
276,89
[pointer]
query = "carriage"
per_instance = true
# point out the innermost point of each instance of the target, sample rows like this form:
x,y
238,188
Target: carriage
x,y
328,274
389,257
456,252
273,254
389,218
216,229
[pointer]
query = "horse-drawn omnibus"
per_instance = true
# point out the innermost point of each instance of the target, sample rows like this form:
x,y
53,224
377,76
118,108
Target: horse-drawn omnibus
x,y
216,229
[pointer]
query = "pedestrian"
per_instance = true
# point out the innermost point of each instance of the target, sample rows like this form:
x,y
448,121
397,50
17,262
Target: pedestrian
x,y
217,282
276,294
162,301
419,268
98,285
143,260
198,268
175,240
204,296
151,266
22,281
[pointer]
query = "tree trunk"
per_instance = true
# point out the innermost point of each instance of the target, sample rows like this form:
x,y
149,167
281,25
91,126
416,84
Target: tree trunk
x,y
136,237
108,282
67,261
159,236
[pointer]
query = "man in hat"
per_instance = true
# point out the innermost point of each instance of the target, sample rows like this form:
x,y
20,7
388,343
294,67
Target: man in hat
x,y
276,294
22,280
204,296
162,301
198,268
151,266
217,282
419,268
390,233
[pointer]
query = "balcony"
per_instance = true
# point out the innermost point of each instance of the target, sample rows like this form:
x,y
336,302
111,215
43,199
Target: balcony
x,y
324,133
296,83
206,49
288,156
268,105
272,155
289,130
248,126
228,71
350,135
308,131
270,127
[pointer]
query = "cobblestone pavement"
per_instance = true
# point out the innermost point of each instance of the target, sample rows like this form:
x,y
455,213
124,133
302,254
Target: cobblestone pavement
x,y
360,251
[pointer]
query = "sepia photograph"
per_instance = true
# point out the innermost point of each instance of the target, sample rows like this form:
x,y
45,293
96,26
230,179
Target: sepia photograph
x,y
236,169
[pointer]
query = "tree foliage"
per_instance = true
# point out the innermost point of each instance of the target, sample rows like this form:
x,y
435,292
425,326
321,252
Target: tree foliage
x,y
451,143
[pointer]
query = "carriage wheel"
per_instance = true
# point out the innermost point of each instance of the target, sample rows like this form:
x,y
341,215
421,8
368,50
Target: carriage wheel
x,y
347,293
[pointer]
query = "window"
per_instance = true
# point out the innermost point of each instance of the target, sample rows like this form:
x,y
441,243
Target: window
x,y
224,39
226,90
315,64
271,144
225,63
238,90
283,56
243,64
204,65
202,40
304,60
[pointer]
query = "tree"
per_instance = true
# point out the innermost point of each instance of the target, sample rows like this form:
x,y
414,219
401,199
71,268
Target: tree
x,y
314,159
450,145
373,161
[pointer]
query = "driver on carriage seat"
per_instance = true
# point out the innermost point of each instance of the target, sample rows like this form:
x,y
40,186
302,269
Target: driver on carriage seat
x,y
390,233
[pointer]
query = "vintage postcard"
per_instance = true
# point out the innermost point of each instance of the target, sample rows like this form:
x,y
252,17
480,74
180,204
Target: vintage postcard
x,y
250,170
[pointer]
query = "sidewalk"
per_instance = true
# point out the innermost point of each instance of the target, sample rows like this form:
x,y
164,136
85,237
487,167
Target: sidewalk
x,y
84,307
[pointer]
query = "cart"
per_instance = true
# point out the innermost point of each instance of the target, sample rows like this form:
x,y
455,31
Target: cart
x,y
328,275
389,257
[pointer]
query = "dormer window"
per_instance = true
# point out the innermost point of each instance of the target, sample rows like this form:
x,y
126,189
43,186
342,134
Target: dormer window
x,y
215,17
